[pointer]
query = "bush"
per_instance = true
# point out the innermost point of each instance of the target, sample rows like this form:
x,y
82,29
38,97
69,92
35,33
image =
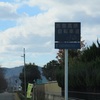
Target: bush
x,y
85,76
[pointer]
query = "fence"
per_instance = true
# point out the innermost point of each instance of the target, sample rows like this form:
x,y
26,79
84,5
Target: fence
x,y
84,95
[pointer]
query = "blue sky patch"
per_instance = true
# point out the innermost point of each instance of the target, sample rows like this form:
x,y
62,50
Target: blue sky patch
x,y
31,11
5,24
7,0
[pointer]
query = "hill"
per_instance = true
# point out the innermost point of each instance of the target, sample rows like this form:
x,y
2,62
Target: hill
x,y
12,76
9,72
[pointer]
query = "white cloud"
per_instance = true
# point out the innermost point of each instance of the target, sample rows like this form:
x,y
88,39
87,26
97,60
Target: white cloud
x,y
8,11
36,33
12,63
91,33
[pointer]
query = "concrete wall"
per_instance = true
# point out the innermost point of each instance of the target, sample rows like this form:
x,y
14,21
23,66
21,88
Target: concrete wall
x,y
47,91
52,88
53,97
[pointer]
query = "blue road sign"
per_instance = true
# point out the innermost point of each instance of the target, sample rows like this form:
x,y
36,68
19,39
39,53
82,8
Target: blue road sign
x,y
67,31
67,35
67,45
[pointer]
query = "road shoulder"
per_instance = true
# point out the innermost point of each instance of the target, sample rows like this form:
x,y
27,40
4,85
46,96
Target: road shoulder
x,y
16,97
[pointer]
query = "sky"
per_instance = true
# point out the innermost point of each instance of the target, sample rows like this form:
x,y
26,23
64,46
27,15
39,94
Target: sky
x,y
30,24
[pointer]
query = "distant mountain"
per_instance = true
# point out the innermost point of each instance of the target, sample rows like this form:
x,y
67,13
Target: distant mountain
x,y
13,74
9,72
12,77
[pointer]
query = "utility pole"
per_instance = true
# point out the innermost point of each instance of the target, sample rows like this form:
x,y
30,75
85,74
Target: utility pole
x,y
24,73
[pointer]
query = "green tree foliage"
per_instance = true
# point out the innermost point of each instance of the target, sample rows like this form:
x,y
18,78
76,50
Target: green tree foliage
x,y
32,74
84,74
60,79
73,54
61,58
60,72
84,69
91,53
50,70
3,82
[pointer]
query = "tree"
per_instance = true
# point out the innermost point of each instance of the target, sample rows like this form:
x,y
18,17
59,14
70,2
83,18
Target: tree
x,y
50,70
32,74
84,67
73,54
84,73
91,53
3,82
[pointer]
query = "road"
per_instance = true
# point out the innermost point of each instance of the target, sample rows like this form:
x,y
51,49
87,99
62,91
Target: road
x,y
6,96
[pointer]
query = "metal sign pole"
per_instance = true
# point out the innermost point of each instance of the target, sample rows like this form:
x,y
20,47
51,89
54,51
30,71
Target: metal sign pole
x,y
66,74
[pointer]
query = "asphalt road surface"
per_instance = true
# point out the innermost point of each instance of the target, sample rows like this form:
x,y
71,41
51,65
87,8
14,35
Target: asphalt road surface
x,y
6,96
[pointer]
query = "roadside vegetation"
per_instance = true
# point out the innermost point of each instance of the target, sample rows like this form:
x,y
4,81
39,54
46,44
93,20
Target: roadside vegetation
x,y
32,74
84,69
3,82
